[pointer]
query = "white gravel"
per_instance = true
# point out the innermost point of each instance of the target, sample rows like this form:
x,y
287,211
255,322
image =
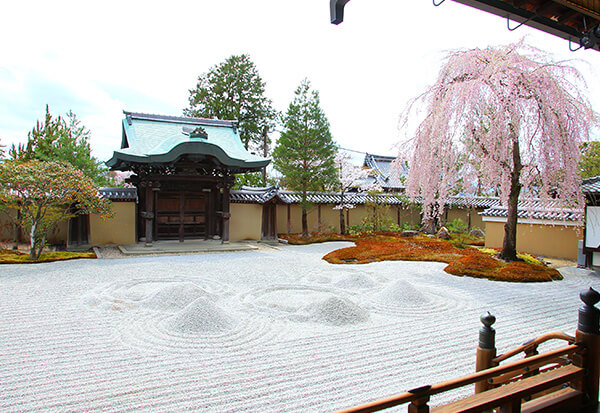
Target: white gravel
x,y
270,330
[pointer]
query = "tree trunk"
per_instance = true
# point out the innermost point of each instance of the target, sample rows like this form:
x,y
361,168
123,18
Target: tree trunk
x,y
509,245
16,237
430,226
304,223
34,254
17,231
469,210
342,222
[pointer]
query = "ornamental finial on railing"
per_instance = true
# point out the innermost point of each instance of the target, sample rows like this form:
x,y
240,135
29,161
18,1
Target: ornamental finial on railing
x,y
589,315
487,335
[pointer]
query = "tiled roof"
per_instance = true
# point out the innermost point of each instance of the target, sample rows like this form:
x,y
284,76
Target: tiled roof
x,y
385,174
591,185
119,194
154,139
474,202
263,195
537,209
528,209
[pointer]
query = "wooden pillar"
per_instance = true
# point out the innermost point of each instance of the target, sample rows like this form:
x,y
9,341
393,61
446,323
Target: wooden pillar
x,y
211,229
273,221
79,229
149,213
289,219
588,333
347,218
319,229
226,215
181,231
486,350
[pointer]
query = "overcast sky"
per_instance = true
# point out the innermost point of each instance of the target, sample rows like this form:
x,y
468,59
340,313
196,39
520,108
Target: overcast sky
x,y
100,58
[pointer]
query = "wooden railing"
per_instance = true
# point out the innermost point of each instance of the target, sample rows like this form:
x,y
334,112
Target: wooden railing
x,y
565,379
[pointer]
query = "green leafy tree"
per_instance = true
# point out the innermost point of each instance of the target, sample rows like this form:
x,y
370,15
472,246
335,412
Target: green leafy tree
x,y
233,90
590,159
252,179
62,140
62,193
305,151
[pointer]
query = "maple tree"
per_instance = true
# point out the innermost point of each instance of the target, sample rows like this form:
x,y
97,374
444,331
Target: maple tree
x,y
507,117
63,193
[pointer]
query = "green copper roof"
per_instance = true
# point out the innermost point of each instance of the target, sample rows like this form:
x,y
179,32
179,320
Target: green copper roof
x,y
158,139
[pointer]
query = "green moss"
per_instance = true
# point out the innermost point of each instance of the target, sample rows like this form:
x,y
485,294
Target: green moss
x,y
15,257
528,258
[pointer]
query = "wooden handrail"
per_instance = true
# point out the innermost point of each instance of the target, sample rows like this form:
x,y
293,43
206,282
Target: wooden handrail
x,y
505,378
427,391
556,335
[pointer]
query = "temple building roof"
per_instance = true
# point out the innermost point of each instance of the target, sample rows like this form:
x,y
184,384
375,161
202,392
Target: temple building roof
x,y
159,139
591,186
388,176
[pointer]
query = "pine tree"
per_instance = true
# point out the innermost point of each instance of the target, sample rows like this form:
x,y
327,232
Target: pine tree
x,y
305,151
233,90
62,140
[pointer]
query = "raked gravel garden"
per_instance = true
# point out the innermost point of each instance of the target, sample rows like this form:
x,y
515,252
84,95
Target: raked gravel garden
x,y
278,329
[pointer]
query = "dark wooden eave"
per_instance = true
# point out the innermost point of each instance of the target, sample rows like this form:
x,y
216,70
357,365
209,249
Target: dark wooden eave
x,y
568,19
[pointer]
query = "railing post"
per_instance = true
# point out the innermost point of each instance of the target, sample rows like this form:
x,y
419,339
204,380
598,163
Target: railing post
x,y
419,405
588,333
486,350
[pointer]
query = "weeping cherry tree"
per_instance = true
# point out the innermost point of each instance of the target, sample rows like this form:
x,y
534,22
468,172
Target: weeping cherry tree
x,y
351,176
507,118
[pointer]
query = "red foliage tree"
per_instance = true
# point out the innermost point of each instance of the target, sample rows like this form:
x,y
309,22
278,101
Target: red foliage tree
x,y
47,193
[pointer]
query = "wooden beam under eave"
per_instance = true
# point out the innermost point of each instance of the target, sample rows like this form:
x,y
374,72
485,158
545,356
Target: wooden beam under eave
x,y
568,17
588,7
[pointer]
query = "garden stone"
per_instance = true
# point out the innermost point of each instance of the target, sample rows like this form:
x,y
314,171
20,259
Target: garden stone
x,y
443,233
409,233
476,232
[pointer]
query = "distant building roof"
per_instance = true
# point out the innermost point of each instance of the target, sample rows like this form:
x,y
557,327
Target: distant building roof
x,y
591,186
386,175
159,139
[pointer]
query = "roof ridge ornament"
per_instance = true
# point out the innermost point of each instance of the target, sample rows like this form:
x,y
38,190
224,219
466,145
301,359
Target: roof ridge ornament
x,y
199,132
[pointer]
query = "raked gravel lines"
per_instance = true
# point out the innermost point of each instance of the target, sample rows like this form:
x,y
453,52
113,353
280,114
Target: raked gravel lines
x,y
270,330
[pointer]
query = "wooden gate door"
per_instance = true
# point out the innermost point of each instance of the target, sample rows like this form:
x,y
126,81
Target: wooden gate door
x,y
79,230
269,222
181,215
